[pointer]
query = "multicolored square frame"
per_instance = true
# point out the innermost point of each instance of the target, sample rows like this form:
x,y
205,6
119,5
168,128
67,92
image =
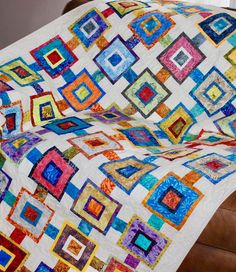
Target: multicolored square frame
x,y
218,27
177,123
110,115
54,56
140,136
173,200
17,147
142,241
81,92
14,119
127,173
43,108
115,59
181,58
213,167
96,207
12,255
53,171
93,144
30,215
123,8
74,248
20,72
67,125
214,91
89,28
146,93
151,27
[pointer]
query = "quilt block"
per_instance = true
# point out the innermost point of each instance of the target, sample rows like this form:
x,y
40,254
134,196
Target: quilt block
x,y
118,142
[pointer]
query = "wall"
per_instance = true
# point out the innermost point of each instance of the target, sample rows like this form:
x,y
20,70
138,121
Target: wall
x,y
21,17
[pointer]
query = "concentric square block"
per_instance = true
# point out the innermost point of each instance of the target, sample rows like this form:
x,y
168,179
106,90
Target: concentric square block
x,y
4,87
30,215
43,108
96,207
115,59
20,72
143,242
181,58
213,92
94,144
53,171
73,248
189,10
218,27
140,136
211,139
127,173
17,146
89,28
14,119
111,115
177,123
125,7
116,266
67,125
173,200
12,255
176,153
54,56
150,27
213,167
146,93
5,181
227,125
82,92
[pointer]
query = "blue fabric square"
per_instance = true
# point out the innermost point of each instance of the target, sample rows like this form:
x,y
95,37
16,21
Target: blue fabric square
x,y
67,125
4,258
115,59
52,173
127,171
221,24
217,33
150,25
188,199
117,47
89,28
143,242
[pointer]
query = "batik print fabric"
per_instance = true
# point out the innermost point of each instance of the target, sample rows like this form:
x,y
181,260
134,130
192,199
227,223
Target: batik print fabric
x,y
119,140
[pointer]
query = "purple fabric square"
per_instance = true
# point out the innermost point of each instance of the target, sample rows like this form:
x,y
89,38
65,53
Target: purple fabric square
x,y
17,146
110,116
144,242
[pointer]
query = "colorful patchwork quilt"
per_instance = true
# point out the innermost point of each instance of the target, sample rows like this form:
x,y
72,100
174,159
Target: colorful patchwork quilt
x,y
118,140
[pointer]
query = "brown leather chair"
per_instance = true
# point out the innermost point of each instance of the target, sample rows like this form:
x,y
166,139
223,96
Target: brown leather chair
x,y
215,250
